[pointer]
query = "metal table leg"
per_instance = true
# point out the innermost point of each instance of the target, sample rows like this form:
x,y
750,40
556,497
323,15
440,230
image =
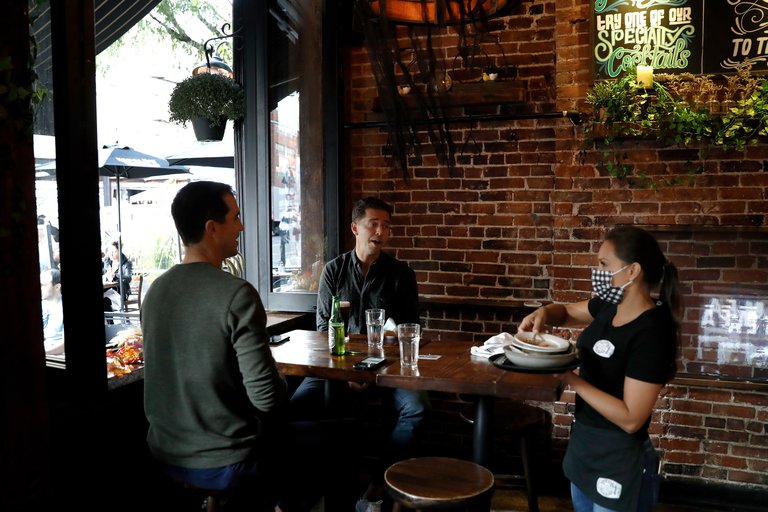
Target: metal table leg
x,y
481,431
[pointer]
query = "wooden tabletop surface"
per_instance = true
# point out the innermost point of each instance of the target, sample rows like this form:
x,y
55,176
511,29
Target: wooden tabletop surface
x,y
306,354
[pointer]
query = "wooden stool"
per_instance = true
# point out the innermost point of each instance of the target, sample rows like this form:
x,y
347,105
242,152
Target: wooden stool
x,y
439,483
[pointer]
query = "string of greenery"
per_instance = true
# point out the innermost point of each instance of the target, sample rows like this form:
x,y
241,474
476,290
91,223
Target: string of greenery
x,y
18,99
725,112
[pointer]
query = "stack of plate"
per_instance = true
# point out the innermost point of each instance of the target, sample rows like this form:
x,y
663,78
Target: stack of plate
x,y
529,350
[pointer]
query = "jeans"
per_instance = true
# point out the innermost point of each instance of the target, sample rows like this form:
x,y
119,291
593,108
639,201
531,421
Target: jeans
x,y
244,482
310,401
412,407
582,503
649,489
301,463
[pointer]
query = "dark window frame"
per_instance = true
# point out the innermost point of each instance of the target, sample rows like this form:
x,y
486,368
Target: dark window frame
x,y
85,373
254,177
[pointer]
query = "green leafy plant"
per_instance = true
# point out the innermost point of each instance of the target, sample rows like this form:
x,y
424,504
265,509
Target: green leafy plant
x,y
680,110
18,100
619,107
206,95
615,101
745,122
677,121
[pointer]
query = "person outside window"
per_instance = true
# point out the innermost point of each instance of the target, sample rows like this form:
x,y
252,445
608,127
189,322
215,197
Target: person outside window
x,y
369,278
114,265
53,314
627,352
288,226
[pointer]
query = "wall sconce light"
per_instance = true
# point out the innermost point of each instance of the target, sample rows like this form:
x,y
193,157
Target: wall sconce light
x,y
213,62
215,65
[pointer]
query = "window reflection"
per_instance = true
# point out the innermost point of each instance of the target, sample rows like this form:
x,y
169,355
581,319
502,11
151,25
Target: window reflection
x,y
734,331
296,150
286,203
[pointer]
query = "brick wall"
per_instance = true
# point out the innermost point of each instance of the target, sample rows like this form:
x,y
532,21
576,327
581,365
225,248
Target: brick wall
x,y
521,216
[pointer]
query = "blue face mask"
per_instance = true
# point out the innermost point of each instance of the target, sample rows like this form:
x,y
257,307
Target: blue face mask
x,y
601,284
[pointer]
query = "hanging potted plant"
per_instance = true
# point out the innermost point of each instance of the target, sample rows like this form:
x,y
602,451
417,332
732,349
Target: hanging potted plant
x,y
207,101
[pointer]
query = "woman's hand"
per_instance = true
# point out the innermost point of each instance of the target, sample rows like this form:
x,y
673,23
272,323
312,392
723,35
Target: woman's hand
x,y
568,377
535,321
557,315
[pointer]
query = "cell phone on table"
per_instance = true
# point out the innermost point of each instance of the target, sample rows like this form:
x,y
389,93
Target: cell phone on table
x,y
370,363
279,338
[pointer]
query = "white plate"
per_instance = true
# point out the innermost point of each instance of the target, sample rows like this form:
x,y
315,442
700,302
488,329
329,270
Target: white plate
x,y
540,342
540,359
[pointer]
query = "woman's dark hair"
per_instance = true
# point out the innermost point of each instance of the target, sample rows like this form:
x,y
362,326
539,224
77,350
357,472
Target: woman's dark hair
x,y
373,203
635,245
116,245
197,203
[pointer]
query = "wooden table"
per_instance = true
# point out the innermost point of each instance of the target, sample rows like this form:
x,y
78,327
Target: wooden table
x,y
306,354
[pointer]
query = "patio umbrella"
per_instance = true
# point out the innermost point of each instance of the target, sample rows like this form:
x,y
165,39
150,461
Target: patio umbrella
x,y
126,163
209,154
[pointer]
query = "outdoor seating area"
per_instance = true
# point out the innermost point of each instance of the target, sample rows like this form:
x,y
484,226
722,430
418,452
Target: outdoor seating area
x,y
134,300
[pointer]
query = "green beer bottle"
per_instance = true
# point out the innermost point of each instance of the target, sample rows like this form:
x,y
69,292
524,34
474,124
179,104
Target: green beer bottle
x,y
336,341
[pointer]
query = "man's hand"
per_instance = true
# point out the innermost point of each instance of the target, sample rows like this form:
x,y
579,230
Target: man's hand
x,y
357,387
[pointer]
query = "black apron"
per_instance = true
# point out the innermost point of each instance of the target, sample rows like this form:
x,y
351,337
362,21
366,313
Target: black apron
x,y
606,465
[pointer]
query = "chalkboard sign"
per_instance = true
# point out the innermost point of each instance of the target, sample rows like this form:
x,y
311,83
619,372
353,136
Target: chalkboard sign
x,y
678,36
735,33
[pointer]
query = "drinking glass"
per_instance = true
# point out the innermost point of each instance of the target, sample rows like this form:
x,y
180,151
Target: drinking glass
x,y
374,319
409,336
345,306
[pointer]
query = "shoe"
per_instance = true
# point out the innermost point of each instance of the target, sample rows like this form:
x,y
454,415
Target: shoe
x,y
364,505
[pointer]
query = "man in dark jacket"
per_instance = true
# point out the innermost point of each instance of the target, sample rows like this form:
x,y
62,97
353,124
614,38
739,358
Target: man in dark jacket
x,y
368,278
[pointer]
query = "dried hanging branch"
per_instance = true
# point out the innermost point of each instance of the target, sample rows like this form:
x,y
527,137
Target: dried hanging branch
x,y
428,81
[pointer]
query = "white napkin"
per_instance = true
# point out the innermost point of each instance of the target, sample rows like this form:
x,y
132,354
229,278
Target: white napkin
x,y
390,325
389,330
493,345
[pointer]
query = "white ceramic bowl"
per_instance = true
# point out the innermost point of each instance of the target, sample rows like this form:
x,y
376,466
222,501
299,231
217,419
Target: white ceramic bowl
x,y
540,342
539,359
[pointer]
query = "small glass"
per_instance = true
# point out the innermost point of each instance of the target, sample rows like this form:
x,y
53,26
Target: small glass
x,y
409,336
374,319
